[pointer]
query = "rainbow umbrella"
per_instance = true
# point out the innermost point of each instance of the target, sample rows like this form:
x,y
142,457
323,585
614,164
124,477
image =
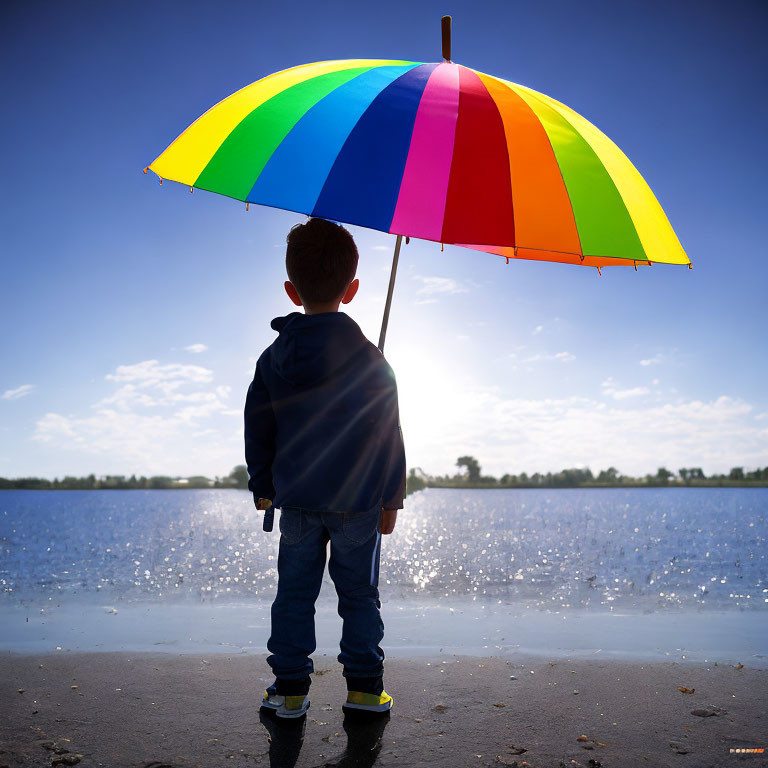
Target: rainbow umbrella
x,y
437,151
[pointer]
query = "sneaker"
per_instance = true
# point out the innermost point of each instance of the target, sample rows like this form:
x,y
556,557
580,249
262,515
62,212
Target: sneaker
x,y
368,702
291,705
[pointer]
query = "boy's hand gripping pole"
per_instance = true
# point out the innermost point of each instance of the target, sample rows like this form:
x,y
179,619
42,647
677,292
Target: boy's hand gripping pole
x,y
269,513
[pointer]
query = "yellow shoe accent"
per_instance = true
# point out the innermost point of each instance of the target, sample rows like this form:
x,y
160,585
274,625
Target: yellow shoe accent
x,y
369,701
294,702
294,706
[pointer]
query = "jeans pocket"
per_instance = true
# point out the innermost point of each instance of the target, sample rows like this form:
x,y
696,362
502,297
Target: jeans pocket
x,y
358,527
290,524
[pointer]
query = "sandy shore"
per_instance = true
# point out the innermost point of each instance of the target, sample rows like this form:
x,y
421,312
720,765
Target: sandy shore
x,y
127,710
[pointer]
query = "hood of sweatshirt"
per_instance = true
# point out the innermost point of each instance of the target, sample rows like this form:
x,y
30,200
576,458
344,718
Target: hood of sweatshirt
x,y
314,347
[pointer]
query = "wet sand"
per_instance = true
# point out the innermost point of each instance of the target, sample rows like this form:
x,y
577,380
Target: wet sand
x,y
414,629
129,710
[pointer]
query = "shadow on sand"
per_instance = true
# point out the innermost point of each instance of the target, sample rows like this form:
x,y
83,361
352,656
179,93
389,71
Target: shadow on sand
x,y
364,731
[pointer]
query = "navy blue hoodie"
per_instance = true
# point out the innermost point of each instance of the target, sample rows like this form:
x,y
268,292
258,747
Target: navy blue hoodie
x,y
322,428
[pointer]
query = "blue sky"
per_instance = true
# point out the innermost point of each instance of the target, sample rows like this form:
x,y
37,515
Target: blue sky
x,y
133,313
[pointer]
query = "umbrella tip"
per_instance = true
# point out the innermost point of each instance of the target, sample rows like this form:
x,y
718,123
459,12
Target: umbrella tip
x,y
445,23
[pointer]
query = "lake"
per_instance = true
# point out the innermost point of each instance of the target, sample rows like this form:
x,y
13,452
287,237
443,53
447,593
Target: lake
x,y
650,556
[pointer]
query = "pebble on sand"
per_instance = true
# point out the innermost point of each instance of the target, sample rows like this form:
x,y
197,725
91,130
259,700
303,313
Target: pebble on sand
x,y
711,712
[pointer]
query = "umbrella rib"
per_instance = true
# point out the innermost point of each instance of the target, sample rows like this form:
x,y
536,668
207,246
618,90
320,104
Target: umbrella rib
x,y
582,256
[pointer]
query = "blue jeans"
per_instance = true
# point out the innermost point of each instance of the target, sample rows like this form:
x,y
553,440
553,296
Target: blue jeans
x,y
354,569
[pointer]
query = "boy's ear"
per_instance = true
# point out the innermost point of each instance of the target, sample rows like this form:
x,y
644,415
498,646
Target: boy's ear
x,y
349,294
290,289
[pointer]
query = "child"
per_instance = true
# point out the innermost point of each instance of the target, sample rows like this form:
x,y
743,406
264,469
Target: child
x,y
323,444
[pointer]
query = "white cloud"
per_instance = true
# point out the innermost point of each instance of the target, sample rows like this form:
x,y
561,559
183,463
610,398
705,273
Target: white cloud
x,y
445,412
655,360
432,284
19,392
515,434
166,378
537,330
150,372
158,419
563,357
382,248
624,394
196,349
611,390
136,442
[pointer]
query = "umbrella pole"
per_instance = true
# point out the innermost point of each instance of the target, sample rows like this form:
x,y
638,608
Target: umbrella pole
x,y
385,319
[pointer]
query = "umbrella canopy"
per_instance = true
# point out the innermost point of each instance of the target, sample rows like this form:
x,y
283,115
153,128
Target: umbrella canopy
x,y
436,151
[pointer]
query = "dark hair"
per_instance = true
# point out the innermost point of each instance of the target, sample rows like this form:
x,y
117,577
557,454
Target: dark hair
x,y
321,260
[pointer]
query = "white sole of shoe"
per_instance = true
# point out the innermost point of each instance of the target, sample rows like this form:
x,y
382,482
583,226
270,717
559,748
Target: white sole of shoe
x,y
291,713
368,707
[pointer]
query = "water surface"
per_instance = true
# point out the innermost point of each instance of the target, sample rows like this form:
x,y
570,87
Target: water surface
x,y
640,549
486,570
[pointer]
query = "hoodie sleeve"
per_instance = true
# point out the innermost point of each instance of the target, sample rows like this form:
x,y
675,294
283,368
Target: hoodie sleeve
x,y
394,488
259,437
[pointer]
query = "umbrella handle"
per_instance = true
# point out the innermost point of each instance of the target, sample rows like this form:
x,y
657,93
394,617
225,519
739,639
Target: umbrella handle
x,y
445,24
385,319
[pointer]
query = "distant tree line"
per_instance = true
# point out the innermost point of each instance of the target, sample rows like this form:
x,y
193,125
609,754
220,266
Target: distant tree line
x,y
237,478
470,476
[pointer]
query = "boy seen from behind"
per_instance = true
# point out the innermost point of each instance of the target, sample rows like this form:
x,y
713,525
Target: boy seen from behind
x,y
323,444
